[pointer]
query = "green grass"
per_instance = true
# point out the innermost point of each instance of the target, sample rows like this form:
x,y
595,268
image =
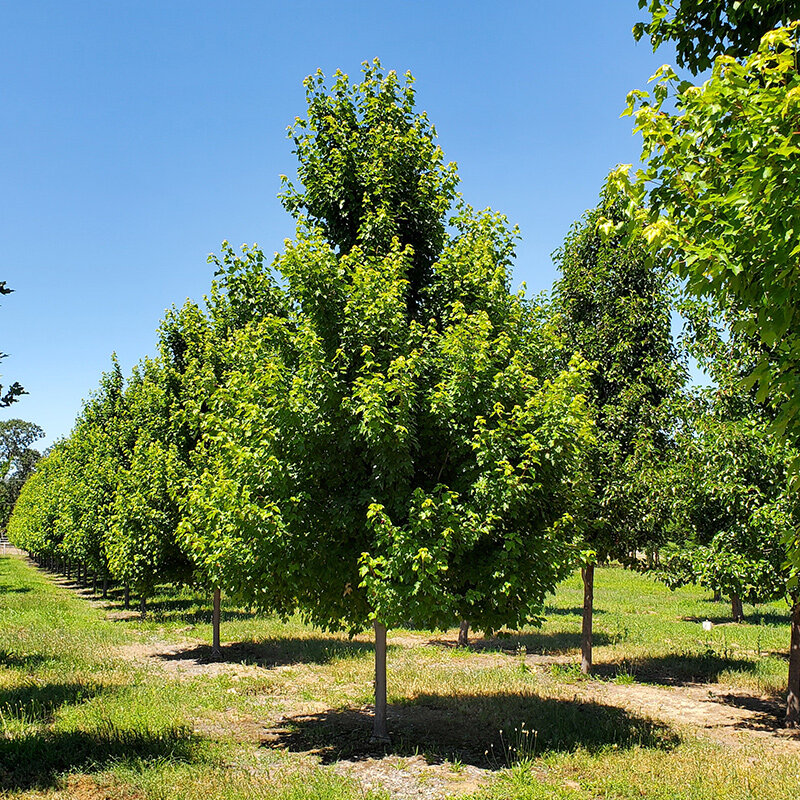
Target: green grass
x,y
79,718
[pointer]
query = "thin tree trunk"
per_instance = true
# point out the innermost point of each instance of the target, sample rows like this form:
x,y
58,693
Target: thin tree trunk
x,y
380,733
793,696
105,587
94,583
216,650
463,633
127,596
737,610
586,626
143,606
717,595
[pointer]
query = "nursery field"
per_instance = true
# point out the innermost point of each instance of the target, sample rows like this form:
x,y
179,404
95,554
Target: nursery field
x,y
97,703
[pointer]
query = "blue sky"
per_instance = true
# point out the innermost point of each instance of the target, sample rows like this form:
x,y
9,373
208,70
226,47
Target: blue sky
x,y
137,135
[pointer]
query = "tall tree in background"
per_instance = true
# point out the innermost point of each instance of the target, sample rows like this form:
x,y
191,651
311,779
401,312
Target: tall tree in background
x,y
15,390
399,447
17,461
613,306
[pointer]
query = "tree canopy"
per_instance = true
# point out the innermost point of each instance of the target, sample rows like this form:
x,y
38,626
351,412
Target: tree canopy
x,y
612,305
705,29
723,172
719,190
17,461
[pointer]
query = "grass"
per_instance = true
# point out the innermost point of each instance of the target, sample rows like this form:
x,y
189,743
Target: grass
x,y
79,718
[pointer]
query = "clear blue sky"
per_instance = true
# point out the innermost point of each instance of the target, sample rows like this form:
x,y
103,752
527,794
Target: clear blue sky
x,y
136,135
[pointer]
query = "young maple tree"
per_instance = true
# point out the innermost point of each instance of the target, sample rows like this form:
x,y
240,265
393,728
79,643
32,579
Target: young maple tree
x,y
396,446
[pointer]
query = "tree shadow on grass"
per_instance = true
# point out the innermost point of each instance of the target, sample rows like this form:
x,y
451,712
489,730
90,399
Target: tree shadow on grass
x,y
26,661
38,703
474,729
575,611
278,652
677,669
15,589
36,760
554,643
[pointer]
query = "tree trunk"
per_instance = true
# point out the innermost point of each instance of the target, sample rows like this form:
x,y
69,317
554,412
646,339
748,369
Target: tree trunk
x,y
380,733
143,606
793,696
78,573
737,611
105,587
94,583
463,633
216,650
127,596
717,595
586,626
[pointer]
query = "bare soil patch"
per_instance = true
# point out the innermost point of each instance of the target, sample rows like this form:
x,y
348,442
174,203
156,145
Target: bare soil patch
x,y
726,716
414,777
186,659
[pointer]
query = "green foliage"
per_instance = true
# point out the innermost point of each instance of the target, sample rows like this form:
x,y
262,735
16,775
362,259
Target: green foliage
x,y
613,305
371,170
65,508
141,543
722,177
730,508
398,444
17,461
38,521
704,29
726,488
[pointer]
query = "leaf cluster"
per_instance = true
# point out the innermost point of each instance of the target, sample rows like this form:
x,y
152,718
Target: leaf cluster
x,y
704,29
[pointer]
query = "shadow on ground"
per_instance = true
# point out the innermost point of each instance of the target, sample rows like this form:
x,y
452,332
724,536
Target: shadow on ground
x,y
36,760
38,703
575,611
768,713
277,652
540,643
679,669
473,729
26,661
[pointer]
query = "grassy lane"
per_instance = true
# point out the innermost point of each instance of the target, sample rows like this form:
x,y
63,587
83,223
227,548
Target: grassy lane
x,y
89,709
